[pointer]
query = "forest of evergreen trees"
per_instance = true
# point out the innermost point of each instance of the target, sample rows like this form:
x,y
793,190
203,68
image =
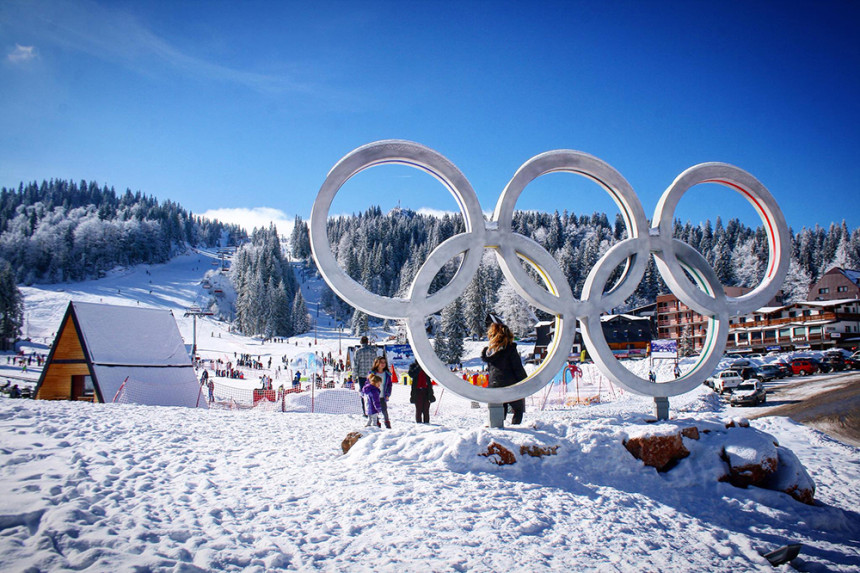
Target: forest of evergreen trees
x,y
384,251
66,231
269,301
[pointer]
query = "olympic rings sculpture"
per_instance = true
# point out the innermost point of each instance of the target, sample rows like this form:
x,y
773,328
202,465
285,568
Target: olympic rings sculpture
x,y
673,259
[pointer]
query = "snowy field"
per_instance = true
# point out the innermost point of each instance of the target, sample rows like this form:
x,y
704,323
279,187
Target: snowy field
x,y
111,487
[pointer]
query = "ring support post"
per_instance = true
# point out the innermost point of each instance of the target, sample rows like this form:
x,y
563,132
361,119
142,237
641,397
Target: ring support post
x,y
661,407
497,415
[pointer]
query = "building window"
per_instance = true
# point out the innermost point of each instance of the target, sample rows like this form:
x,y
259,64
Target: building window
x,y
799,331
842,289
785,333
823,290
814,330
792,314
770,334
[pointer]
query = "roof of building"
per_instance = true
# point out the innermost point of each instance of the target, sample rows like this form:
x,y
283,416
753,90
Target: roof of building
x,y
130,336
852,275
608,317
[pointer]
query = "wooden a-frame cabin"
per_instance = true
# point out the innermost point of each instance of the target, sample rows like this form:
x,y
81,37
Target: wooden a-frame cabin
x,y
100,349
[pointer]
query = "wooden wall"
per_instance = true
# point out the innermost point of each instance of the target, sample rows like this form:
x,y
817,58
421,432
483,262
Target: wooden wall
x,y
57,382
67,360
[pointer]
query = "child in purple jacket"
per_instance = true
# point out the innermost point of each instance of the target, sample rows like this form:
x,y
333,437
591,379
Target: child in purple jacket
x,y
371,391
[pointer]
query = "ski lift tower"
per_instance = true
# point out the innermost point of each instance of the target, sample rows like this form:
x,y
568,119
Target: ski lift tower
x,y
195,311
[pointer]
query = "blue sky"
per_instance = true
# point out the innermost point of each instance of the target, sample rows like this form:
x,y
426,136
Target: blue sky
x,y
247,105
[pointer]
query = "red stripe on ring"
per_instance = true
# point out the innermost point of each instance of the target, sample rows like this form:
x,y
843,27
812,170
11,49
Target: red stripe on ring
x,y
761,210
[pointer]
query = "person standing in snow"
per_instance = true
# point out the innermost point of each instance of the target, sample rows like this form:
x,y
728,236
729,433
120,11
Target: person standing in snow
x,y
421,394
362,364
504,365
381,369
371,394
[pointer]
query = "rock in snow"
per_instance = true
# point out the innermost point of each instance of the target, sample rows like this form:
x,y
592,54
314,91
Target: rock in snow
x,y
751,457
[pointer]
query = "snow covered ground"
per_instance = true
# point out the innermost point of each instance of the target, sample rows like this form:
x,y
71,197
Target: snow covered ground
x,y
111,487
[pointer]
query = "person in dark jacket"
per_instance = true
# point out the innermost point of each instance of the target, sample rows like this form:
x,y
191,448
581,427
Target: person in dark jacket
x,y
421,394
505,368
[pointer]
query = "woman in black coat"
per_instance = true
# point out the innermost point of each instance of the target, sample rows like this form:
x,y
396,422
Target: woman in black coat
x,y
505,368
421,394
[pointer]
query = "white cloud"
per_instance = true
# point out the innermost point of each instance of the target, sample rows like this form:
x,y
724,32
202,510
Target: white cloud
x,y
257,217
22,54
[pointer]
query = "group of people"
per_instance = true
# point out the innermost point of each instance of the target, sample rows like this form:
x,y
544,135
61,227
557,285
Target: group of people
x,y
13,391
209,384
504,368
24,360
248,361
376,377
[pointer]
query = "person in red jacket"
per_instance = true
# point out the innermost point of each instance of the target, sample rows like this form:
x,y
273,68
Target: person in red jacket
x,y
421,394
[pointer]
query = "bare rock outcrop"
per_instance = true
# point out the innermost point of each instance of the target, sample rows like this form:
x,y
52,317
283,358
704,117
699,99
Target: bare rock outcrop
x,y
536,451
661,451
499,454
349,441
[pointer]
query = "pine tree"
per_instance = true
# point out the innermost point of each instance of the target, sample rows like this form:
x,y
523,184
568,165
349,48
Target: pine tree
x,y
515,311
453,331
797,282
11,308
440,346
301,318
300,241
359,324
475,307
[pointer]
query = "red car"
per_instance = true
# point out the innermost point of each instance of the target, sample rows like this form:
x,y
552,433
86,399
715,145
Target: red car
x,y
804,366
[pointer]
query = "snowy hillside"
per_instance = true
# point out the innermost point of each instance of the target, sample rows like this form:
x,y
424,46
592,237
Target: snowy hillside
x,y
123,487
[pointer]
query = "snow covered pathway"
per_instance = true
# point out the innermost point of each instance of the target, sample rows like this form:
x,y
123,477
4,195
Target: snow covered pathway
x,y
122,488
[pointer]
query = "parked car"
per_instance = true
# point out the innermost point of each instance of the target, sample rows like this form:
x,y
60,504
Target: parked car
x,y
749,372
768,372
852,363
742,363
754,355
749,393
785,368
804,366
836,362
725,380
